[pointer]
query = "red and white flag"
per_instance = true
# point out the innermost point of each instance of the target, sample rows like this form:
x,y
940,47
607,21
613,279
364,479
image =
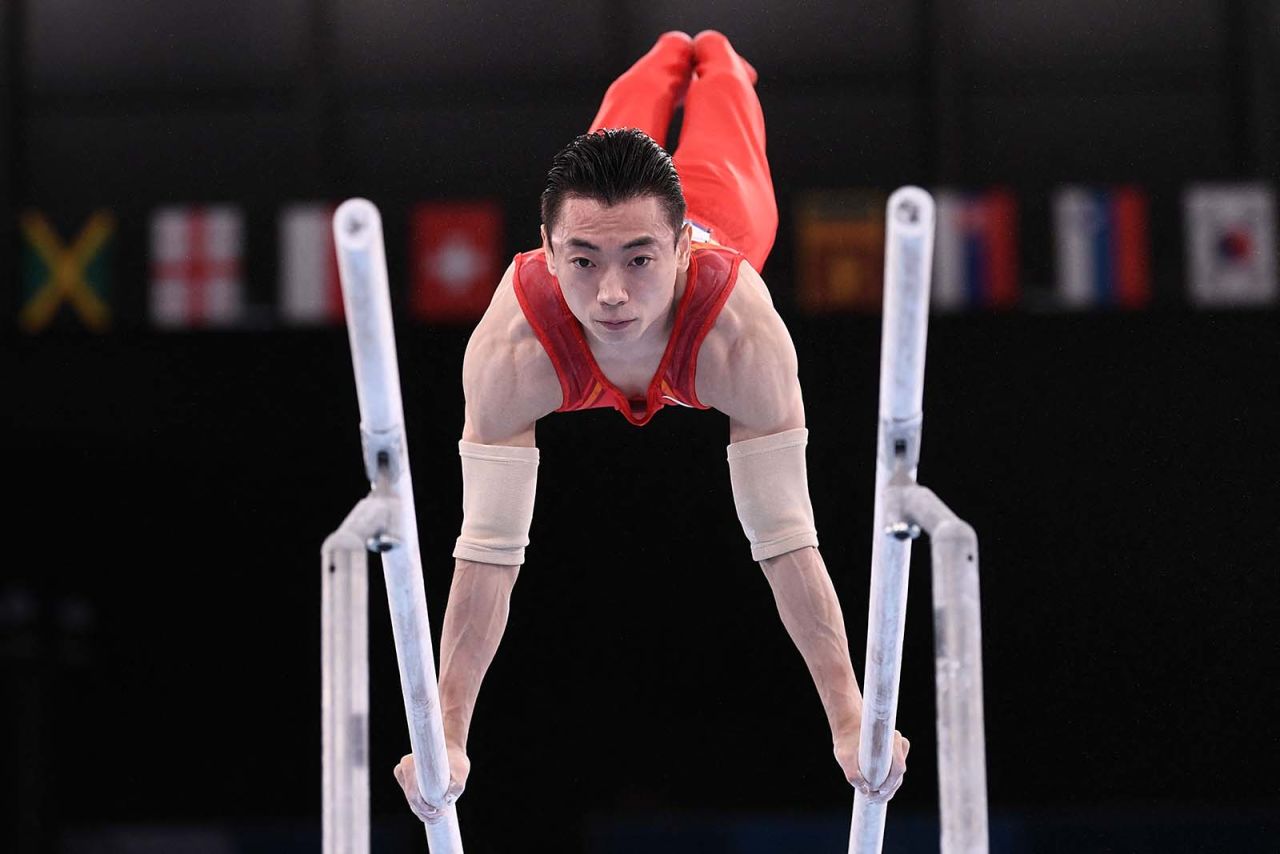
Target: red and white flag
x,y
456,260
310,293
196,264
1231,244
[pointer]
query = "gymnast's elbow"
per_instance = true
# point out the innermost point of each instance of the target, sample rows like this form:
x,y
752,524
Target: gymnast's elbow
x,y
793,557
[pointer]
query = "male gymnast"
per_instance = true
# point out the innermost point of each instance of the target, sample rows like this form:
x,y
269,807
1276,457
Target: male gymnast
x,y
645,293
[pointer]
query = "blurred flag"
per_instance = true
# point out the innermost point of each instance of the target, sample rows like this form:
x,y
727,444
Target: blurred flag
x,y
310,293
456,263
840,238
1103,247
70,279
1231,249
975,250
195,267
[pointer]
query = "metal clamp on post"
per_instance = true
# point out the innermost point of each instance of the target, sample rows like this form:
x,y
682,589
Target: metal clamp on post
x,y
386,537
898,524
387,444
900,441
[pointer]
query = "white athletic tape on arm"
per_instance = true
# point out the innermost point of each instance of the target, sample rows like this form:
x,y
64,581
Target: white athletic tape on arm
x,y
498,487
771,492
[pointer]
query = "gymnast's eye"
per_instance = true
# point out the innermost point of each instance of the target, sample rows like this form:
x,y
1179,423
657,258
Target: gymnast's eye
x,y
574,262
642,258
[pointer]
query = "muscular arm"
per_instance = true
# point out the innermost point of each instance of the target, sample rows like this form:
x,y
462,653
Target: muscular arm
x,y
753,377
508,383
474,622
811,614
504,385
757,385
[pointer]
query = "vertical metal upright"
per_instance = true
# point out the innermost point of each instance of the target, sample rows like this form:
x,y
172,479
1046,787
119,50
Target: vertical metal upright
x,y
344,677
902,509
384,521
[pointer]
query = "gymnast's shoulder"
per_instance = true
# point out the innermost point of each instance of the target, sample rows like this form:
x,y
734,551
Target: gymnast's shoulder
x,y
507,377
747,365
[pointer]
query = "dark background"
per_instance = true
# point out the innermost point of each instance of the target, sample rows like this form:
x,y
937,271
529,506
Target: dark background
x,y
160,598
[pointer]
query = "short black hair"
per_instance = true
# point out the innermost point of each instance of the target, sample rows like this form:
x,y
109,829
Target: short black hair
x,y
613,165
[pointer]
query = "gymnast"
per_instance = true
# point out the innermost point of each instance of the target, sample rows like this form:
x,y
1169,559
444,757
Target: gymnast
x,y
629,293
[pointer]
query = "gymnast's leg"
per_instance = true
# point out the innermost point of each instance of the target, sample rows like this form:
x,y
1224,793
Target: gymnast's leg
x,y
647,93
721,156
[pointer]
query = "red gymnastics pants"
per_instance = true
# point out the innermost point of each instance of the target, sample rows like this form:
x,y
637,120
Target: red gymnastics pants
x,y
721,156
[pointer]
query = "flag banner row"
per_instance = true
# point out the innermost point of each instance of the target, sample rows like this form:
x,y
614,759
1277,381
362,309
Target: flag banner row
x,y
1102,250
1101,258
196,267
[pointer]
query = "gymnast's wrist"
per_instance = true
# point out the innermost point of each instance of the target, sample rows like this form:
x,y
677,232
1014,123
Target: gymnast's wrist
x,y
850,725
455,732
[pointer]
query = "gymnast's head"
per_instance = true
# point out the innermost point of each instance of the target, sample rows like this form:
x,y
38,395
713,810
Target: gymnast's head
x,y
614,234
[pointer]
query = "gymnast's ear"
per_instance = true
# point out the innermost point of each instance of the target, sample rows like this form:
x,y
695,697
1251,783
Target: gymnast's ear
x,y
684,247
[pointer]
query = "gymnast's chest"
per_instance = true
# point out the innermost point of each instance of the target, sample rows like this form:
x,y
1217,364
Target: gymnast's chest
x,y
632,378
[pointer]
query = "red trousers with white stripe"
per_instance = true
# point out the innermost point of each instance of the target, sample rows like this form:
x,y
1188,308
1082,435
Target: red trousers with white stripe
x,y
721,153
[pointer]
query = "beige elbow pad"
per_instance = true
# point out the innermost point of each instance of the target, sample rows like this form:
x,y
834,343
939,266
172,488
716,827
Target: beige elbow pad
x,y
771,492
498,486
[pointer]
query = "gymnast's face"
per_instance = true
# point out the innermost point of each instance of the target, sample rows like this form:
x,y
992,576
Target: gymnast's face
x,y
618,262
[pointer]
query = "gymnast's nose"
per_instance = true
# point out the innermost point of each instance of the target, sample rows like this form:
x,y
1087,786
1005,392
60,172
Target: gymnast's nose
x,y
611,290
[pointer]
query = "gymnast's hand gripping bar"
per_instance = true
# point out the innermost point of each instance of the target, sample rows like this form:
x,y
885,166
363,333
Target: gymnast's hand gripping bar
x,y
901,510
385,521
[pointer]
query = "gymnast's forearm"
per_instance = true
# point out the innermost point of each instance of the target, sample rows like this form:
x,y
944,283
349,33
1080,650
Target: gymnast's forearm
x,y
811,613
474,622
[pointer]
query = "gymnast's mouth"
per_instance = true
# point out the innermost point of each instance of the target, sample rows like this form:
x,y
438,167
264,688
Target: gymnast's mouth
x,y
611,325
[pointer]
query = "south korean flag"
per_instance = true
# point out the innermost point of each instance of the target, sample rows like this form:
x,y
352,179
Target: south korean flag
x,y
1231,249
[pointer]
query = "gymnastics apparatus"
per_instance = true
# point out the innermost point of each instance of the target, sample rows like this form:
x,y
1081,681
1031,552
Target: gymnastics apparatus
x,y
385,522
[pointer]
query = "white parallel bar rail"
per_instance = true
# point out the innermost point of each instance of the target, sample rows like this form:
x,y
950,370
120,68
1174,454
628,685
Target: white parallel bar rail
x,y
344,637
957,632
344,679
385,521
908,264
